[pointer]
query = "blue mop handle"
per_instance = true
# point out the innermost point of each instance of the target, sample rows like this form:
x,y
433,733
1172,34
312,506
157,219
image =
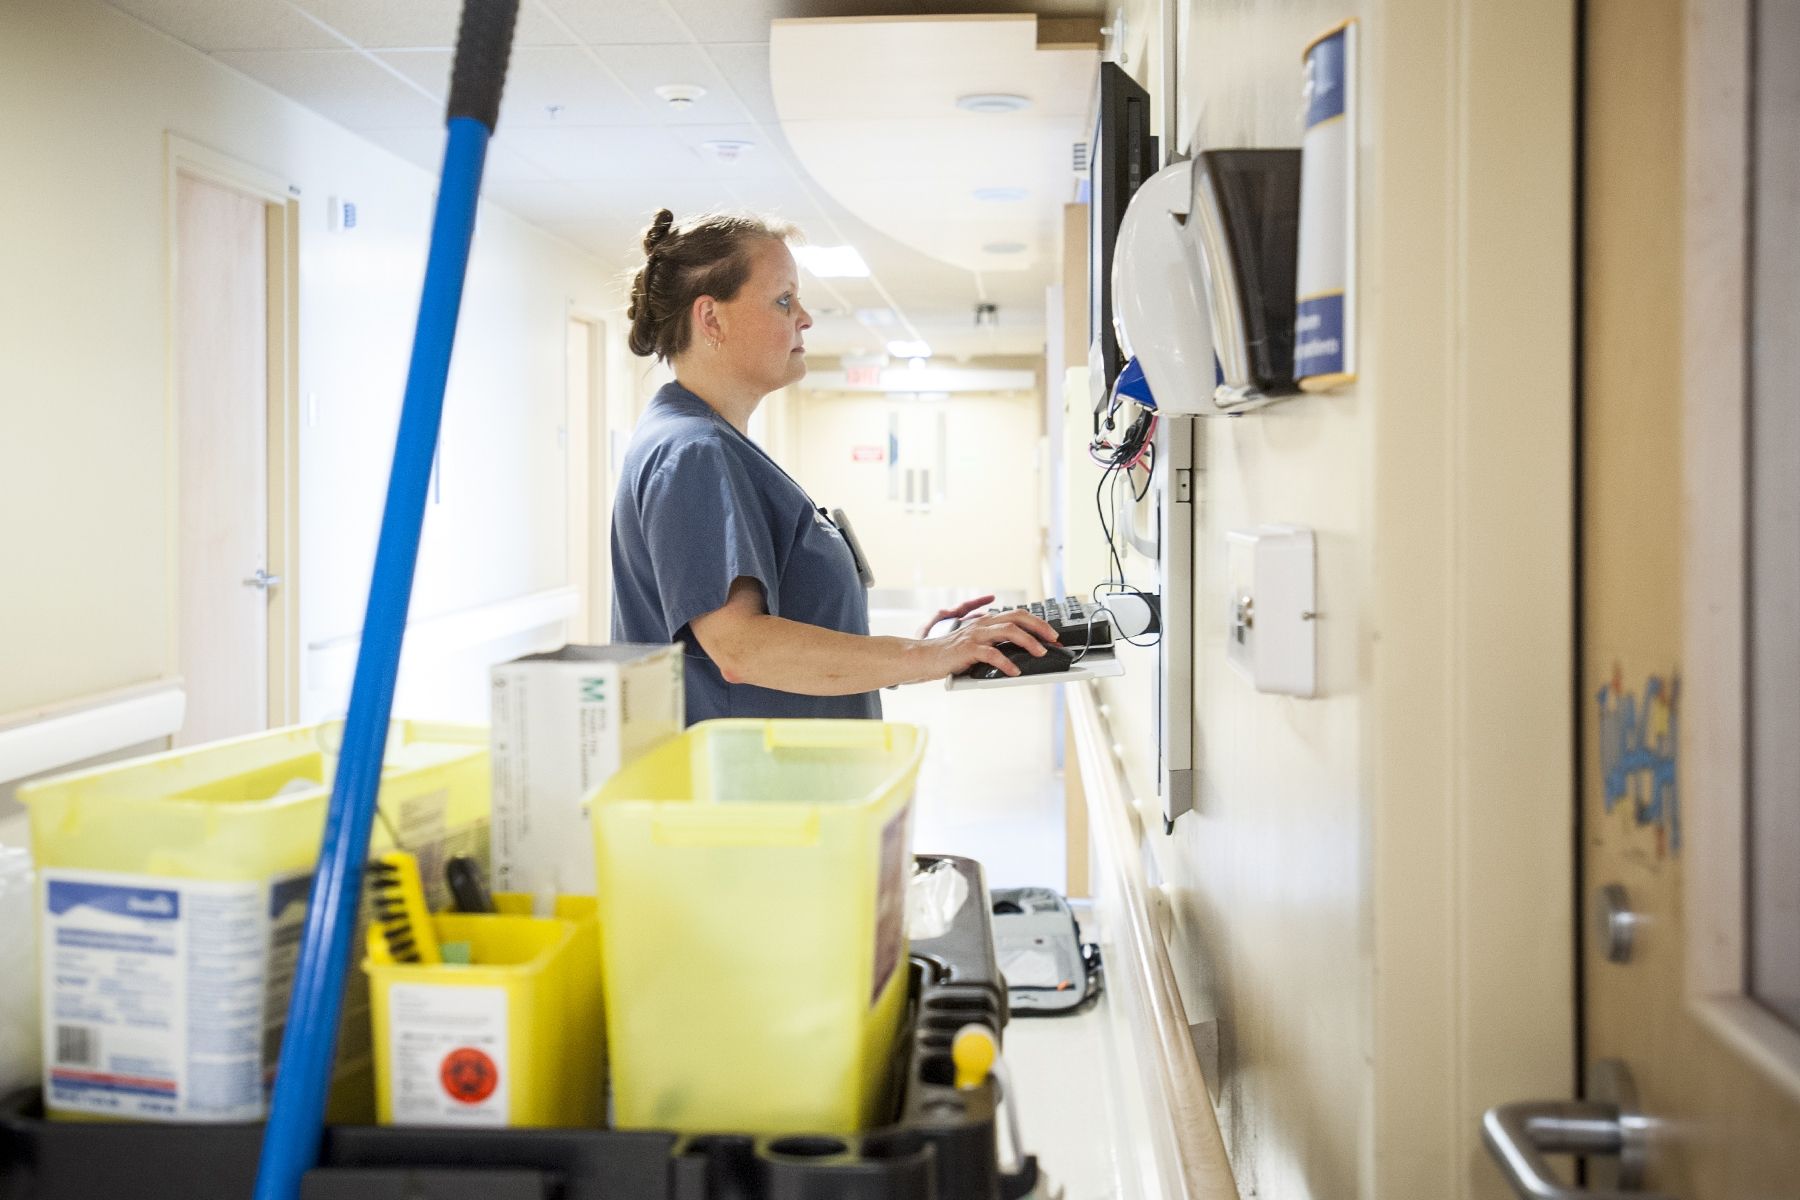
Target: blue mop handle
x,y
297,1109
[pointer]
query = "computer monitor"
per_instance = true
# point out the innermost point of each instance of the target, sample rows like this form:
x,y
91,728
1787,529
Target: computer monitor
x,y
1121,154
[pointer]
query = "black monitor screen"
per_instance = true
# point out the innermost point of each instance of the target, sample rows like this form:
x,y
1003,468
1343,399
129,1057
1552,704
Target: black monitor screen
x,y
1121,155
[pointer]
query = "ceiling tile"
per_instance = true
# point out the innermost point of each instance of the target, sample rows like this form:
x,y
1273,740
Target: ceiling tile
x,y
760,161
423,24
730,20
242,25
610,23
645,68
340,84
537,78
746,68
610,153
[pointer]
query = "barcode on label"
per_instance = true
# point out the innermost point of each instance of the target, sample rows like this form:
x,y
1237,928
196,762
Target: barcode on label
x,y
77,1046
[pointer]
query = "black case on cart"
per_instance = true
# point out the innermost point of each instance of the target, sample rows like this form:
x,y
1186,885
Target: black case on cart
x,y
941,1145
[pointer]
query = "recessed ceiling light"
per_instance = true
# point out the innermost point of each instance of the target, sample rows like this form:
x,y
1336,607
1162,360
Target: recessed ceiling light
x,y
832,262
1003,247
909,349
726,150
993,102
1000,195
680,95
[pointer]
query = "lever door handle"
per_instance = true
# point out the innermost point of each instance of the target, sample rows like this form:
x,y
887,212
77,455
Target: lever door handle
x,y
262,579
1519,1134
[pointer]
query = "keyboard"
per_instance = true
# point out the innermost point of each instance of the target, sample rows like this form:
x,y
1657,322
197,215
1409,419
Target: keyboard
x,y
1078,627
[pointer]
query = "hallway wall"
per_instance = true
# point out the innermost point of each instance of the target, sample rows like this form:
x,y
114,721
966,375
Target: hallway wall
x,y
1373,894
87,605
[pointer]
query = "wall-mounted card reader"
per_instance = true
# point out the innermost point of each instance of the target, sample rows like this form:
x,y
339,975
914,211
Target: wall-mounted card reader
x,y
1272,622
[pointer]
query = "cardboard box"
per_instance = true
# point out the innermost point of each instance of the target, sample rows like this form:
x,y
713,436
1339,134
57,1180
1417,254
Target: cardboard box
x,y
563,722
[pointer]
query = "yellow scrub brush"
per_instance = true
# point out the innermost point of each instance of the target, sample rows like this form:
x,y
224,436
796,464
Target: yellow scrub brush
x,y
401,929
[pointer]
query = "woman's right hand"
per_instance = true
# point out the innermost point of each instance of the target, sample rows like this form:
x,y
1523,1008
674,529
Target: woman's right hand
x,y
977,640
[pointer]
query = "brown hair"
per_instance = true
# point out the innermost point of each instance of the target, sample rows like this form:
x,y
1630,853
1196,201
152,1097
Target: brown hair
x,y
710,256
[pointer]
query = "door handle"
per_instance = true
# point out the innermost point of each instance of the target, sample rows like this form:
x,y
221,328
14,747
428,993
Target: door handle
x,y
262,579
1609,1126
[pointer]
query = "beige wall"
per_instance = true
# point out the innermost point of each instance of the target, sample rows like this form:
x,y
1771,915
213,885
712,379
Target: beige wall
x,y
1373,894
87,97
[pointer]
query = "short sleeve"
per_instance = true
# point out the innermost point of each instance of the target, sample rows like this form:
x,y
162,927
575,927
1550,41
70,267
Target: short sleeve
x,y
705,527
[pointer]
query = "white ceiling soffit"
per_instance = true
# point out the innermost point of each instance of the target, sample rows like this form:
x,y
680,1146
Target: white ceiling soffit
x,y
868,105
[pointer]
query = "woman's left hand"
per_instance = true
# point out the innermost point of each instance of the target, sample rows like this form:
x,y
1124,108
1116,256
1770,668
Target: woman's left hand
x,y
954,614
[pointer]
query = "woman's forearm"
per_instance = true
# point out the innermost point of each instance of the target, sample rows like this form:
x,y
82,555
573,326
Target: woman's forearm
x,y
810,661
792,656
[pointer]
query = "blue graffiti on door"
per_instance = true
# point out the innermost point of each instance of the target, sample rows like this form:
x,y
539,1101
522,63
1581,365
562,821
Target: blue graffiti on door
x,y
1639,749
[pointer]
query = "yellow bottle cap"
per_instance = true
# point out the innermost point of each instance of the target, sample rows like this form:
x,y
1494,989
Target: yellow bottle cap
x,y
973,1051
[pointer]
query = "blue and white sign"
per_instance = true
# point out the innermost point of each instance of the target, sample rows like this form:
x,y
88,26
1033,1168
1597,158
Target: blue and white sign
x,y
1325,274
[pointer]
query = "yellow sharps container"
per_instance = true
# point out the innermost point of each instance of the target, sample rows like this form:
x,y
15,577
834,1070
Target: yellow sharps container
x,y
752,880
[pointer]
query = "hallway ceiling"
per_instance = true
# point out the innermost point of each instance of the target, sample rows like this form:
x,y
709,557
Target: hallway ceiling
x,y
587,150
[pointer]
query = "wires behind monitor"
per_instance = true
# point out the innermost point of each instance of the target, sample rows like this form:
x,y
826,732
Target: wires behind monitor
x,y
1129,461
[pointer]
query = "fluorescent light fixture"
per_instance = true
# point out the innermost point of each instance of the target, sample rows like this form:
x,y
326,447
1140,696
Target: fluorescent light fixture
x,y
1000,195
993,102
909,349
832,262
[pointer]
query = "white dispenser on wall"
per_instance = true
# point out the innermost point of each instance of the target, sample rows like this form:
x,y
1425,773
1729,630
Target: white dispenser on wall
x,y
1273,618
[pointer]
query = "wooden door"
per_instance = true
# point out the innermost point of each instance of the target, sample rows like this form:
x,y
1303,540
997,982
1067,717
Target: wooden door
x,y
1663,846
221,375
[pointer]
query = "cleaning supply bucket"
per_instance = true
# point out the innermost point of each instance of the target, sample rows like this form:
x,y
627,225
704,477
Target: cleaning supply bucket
x,y
171,892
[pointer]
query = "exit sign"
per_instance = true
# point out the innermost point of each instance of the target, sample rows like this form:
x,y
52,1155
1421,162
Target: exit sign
x,y
867,454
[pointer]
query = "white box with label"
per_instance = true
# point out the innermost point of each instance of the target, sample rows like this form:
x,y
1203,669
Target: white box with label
x,y
563,722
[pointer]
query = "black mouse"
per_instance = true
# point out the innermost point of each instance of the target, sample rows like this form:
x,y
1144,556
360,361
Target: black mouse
x,y
1054,659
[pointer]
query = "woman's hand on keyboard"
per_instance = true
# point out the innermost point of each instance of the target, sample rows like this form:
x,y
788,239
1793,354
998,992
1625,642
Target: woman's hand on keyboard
x,y
953,614
976,640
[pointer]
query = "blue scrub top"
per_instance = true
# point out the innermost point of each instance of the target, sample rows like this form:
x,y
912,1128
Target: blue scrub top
x,y
698,505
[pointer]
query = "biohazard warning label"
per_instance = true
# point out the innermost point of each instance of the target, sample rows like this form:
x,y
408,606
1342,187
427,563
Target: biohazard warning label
x,y
447,1055
469,1075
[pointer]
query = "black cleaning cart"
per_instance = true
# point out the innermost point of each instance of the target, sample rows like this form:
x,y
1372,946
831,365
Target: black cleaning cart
x,y
941,1145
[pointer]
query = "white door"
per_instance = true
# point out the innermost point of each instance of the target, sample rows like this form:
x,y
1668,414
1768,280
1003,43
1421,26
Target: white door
x,y
221,407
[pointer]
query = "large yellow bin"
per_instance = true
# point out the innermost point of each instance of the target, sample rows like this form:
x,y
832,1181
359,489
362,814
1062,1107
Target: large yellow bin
x,y
512,1039
172,889
752,892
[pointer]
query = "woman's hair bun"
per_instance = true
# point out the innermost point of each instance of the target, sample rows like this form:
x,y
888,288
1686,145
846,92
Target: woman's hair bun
x,y
659,229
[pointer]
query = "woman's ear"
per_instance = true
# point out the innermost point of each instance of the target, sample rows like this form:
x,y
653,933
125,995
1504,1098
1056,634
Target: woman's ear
x,y
707,327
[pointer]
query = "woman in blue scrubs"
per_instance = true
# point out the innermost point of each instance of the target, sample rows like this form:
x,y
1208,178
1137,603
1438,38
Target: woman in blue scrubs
x,y
713,544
